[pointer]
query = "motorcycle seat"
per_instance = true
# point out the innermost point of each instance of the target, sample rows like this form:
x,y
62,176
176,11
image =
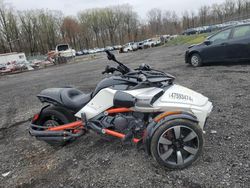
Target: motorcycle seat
x,y
74,99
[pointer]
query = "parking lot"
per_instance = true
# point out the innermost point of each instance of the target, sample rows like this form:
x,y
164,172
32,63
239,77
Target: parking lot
x,y
93,161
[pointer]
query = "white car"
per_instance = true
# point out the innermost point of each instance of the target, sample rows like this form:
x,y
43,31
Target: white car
x,y
117,47
150,43
129,47
109,48
92,51
64,50
135,46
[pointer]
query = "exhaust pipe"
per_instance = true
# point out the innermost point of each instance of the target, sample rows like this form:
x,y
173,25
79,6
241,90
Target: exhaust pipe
x,y
53,137
47,133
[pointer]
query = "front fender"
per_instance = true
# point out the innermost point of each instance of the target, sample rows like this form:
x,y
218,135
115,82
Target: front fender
x,y
159,121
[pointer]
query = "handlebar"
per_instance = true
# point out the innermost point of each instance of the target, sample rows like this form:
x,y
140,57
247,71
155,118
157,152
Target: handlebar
x,y
121,67
143,73
109,69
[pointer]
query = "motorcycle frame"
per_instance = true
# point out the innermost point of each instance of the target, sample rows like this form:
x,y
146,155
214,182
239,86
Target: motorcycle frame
x,y
75,126
79,124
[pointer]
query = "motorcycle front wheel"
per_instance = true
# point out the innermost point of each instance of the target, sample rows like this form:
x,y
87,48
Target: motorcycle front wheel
x,y
177,144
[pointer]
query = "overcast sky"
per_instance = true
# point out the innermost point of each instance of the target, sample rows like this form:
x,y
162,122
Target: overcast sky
x,y
71,7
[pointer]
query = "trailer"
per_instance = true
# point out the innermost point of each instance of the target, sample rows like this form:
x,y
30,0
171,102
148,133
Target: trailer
x,y
12,57
14,62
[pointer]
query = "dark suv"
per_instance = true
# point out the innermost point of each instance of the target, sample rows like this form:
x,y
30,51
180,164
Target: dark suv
x,y
230,44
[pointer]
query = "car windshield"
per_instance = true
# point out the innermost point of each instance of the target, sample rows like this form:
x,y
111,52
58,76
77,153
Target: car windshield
x,y
63,47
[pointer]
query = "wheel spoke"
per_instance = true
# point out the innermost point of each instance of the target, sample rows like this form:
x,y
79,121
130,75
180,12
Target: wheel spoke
x,y
177,132
190,150
179,158
167,154
190,136
165,141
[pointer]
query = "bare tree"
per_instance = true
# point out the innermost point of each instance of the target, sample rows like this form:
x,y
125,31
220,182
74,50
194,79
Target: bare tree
x,y
38,31
155,21
70,30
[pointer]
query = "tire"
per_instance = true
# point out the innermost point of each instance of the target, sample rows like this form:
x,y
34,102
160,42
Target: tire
x,y
53,116
195,60
173,150
62,116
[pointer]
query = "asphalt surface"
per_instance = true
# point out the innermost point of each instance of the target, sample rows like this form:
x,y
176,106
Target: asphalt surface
x,y
93,161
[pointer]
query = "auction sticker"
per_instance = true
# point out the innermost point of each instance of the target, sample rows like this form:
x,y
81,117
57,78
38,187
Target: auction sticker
x,y
180,96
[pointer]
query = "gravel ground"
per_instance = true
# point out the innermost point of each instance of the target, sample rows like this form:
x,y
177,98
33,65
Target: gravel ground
x,y
93,161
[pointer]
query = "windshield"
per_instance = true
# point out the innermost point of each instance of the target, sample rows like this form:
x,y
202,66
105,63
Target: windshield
x,y
63,47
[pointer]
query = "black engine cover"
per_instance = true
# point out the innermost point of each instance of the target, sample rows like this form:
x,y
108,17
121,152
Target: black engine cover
x,y
122,99
120,123
124,123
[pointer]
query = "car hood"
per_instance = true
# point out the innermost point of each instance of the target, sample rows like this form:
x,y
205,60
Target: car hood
x,y
194,45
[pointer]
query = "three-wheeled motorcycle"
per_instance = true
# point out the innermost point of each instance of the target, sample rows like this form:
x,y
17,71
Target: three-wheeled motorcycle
x,y
143,106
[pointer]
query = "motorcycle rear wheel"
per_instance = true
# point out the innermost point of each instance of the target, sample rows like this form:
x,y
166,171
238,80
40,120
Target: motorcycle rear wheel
x,y
53,116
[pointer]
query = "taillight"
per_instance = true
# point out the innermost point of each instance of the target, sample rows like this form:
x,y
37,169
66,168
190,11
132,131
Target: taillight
x,y
35,117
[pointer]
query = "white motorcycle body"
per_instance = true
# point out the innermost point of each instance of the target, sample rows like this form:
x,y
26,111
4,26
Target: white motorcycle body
x,y
174,98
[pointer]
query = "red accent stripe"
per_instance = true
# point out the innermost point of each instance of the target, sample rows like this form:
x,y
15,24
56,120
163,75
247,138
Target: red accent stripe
x,y
72,125
118,110
79,123
35,117
118,135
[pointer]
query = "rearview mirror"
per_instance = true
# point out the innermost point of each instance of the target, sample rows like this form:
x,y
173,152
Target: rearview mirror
x,y
110,56
207,42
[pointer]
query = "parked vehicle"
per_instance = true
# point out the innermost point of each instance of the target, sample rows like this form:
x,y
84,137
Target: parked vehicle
x,y
79,53
92,51
64,50
134,46
98,50
157,42
141,45
117,47
150,43
85,51
143,106
190,31
102,49
110,48
229,45
127,47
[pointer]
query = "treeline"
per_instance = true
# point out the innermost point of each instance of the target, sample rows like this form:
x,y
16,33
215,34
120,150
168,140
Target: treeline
x,y
230,10
39,31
